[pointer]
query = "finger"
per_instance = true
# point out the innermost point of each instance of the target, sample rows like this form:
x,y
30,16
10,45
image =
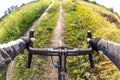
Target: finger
x,y
88,39
32,39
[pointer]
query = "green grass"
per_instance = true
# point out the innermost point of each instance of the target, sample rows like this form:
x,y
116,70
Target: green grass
x,y
76,29
98,9
15,24
43,35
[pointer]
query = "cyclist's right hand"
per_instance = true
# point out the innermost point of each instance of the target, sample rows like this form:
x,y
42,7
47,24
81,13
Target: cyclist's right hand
x,y
94,42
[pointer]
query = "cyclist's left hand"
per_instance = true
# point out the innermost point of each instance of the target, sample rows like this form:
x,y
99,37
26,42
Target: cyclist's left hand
x,y
27,41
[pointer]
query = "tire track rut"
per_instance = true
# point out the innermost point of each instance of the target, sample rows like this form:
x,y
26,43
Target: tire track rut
x,y
57,41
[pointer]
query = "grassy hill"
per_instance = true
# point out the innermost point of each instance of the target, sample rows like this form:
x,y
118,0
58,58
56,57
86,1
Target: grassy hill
x,y
80,17
14,25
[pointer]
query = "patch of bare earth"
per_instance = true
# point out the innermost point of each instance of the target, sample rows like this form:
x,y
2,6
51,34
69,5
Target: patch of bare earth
x,y
110,18
51,72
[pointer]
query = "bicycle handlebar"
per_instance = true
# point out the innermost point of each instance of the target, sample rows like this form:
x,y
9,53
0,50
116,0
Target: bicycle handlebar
x,y
56,52
59,51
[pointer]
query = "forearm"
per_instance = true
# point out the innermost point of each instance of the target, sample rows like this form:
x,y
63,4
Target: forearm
x,y
9,51
12,48
110,50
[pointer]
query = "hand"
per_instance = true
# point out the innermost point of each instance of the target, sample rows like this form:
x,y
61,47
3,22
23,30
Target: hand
x,y
27,41
94,42
32,39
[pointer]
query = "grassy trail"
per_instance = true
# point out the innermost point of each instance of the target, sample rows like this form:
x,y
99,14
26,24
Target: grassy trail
x,y
56,41
68,27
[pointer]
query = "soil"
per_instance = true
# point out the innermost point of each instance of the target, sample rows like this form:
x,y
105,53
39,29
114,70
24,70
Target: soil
x,y
51,72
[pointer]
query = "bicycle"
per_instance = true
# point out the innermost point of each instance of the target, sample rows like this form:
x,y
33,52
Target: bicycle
x,y
61,52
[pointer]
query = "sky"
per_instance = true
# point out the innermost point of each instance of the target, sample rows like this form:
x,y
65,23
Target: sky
x,y
115,4
5,4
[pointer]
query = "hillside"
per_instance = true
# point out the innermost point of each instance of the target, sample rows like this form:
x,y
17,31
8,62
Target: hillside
x,y
89,16
18,22
79,16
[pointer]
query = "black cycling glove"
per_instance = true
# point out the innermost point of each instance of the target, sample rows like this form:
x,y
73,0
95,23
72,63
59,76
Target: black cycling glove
x,y
94,42
27,41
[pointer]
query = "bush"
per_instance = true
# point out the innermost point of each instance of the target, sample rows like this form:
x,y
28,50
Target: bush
x,y
86,0
111,9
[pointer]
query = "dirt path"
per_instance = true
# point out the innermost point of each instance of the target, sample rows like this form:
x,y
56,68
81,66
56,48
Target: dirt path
x,y
57,40
35,24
